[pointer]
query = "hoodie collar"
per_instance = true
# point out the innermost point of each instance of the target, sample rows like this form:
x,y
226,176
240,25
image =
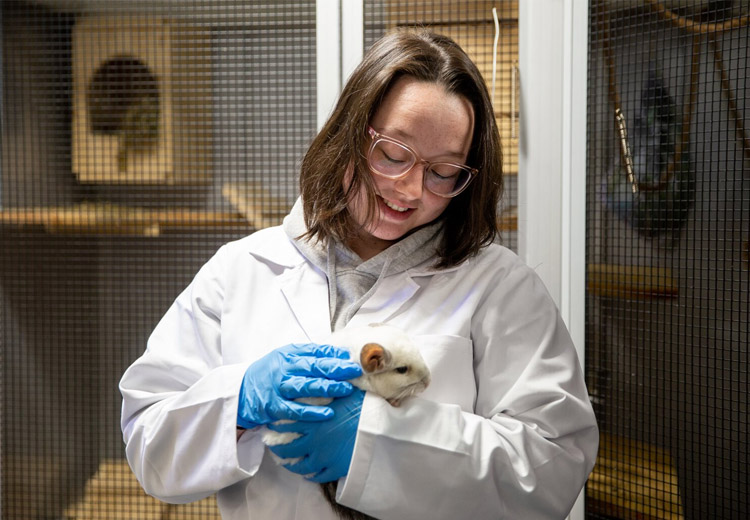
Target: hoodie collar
x,y
414,250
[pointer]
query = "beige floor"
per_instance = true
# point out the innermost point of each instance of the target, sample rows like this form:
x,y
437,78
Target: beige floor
x,y
114,494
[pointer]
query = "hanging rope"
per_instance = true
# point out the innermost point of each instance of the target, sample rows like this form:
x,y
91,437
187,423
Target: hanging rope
x,y
693,26
625,156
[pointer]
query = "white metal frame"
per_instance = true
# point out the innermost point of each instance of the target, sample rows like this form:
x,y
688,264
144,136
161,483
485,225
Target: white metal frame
x,y
553,57
339,49
352,36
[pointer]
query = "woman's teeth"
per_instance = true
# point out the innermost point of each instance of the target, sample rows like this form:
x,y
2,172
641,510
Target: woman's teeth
x,y
394,207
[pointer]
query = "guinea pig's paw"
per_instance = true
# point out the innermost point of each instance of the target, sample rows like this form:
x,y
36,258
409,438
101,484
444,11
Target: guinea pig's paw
x,y
271,438
284,462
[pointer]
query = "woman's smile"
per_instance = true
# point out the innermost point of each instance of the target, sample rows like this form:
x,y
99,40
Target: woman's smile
x,y
395,207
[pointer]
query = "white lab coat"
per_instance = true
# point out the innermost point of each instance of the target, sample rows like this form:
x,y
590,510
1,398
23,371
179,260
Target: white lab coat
x,y
505,429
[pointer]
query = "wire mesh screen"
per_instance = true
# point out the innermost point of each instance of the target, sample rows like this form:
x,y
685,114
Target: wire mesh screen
x,y
668,224
472,25
136,138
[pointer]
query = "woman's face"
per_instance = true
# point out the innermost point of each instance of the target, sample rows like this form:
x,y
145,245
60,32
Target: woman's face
x,y
438,126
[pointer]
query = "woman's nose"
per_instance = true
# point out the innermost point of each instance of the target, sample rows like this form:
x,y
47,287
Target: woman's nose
x,y
412,185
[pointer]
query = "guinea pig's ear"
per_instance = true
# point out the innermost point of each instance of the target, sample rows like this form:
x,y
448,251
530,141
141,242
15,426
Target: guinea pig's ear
x,y
374,357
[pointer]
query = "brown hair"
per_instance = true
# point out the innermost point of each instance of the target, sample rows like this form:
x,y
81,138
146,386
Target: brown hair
x,y
470,220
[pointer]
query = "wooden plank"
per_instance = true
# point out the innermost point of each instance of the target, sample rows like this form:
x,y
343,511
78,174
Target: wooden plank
x,y
630,281
450,11
112,219
508,220
252,200
634,480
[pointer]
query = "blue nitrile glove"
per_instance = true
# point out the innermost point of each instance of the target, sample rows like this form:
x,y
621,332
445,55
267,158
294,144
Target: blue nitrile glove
x,y
290,372
325,447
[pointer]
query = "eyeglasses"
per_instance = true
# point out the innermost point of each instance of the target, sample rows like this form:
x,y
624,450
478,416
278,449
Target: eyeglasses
x,y
391,158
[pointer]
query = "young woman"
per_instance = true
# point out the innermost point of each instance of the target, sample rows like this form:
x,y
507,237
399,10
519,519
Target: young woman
x,y
395,224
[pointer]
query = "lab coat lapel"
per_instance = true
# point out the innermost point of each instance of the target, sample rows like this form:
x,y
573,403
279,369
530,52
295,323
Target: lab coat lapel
x,y
306,291
389,296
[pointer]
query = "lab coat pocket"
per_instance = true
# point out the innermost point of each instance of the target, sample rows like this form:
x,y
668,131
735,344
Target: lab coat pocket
x,y
451,363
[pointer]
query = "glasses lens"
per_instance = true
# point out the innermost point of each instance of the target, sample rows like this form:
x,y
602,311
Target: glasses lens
x,y
446,179
390,159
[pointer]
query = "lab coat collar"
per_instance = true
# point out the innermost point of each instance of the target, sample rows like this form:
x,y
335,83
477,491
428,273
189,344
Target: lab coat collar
x,y
272,245
306,290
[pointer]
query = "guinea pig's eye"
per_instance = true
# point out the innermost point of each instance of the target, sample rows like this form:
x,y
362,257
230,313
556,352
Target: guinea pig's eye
x,y
402,370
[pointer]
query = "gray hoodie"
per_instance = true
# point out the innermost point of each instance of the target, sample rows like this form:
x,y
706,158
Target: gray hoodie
x,y
350,280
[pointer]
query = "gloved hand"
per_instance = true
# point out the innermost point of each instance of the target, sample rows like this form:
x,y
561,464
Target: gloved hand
x,y
289,372
325,447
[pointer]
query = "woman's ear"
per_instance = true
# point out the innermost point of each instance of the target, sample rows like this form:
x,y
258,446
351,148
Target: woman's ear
x,y
373,357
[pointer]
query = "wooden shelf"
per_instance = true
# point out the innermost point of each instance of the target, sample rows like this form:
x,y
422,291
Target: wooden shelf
x,y
508,221
630,282
253,208
634,481
451,12
111,219
115,494
252,201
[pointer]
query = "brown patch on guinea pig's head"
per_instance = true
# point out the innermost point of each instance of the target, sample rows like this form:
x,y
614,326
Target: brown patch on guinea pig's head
x,y
373,357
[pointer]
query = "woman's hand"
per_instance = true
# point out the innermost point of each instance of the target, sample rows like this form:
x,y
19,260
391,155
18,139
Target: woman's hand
x,y
271,383
325,448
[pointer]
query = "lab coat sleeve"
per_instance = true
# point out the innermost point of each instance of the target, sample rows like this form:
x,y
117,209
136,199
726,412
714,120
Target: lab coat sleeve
x,y
525,452
179,407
